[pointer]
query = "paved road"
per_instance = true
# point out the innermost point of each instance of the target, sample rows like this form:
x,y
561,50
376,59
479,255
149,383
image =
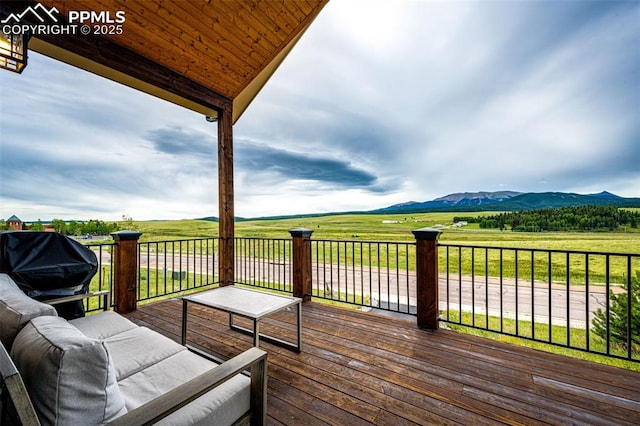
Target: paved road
x,y
390,288
520,300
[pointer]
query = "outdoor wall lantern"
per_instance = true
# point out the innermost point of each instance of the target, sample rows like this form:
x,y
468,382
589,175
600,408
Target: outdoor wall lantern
x,y
13,51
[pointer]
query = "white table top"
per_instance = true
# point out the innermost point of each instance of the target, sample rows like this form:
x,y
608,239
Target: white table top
x,y
242,301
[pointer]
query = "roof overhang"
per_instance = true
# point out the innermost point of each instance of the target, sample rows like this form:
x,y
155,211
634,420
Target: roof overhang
x,y
206,56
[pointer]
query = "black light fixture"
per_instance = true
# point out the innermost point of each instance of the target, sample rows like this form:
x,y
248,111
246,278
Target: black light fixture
x,y
13,51
211,119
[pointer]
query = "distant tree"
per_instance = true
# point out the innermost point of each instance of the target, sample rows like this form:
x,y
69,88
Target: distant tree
x,y
468,219
579,218
621,328
128,223
73,228
97,227
38,226
489,223
3,225
89,227
59,225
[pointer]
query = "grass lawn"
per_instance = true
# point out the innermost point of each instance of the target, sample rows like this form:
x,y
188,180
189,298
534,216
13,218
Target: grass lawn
x,y
362,227
397,228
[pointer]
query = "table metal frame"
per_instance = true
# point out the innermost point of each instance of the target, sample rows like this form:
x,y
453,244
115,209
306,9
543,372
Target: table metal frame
x,y
232,309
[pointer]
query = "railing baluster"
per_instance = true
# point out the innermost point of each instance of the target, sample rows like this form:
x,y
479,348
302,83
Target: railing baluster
x,y
568,302
397,269
550,289
501,291
486,287
379,280
330,269
473,286
533,295
630,298
608,305
362,298
370,276
587,299
517,262
406,249
460,284
447,260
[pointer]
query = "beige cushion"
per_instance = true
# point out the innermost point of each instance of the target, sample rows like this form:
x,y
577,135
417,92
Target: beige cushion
x,y
102,325
221,406
16,309
70,377
138,348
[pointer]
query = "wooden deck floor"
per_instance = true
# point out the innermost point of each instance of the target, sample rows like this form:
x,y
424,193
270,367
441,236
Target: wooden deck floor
x,y
358,368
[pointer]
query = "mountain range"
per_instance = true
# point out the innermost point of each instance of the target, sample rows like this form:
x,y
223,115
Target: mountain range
x,y
509,201
484,201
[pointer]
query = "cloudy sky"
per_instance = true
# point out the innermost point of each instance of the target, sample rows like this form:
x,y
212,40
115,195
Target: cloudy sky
x,y
380,103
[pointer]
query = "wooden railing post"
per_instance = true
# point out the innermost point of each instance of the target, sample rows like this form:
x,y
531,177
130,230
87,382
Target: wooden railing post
x,y
301,263
125,270
427,277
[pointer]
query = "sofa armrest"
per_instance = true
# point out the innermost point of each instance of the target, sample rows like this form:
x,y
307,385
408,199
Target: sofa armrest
x,y
158,408
17,392
104,293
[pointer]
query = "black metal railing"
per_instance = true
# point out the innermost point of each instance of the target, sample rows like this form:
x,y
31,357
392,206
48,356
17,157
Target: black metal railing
x,y
370,274
264,263
170,267
581,300
588,301
103,279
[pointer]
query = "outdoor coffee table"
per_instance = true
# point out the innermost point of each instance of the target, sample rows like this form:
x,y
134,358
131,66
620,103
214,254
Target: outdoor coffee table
x,y
251,304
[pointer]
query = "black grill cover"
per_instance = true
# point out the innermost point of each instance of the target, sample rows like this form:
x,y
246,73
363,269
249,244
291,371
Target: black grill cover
x,y
46,265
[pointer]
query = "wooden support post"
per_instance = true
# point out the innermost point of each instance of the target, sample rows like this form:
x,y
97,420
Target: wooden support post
x,y
125,270
226,226
427,277
301,263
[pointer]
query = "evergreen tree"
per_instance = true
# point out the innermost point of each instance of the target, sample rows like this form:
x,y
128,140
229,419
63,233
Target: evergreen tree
x,y
578,218
619,322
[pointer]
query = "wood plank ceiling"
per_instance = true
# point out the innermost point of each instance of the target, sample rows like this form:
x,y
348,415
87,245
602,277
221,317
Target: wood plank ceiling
x,y
205,51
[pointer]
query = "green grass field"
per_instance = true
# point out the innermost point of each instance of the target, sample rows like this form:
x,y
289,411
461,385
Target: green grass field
x,y
372,228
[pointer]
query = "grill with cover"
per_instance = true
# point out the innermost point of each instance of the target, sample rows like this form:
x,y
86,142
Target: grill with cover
x,y
48,265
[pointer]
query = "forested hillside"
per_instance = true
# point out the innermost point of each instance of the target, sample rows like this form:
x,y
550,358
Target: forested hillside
x,y
578,218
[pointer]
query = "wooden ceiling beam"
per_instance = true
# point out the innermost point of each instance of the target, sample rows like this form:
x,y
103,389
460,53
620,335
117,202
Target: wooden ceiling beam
x,y
113,56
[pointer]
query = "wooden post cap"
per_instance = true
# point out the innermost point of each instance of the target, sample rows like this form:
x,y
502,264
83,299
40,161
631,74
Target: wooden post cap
x,y
126,235
427,234
300,232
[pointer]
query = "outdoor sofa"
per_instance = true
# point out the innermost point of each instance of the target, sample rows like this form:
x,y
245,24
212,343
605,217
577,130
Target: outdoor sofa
x,y
104,369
